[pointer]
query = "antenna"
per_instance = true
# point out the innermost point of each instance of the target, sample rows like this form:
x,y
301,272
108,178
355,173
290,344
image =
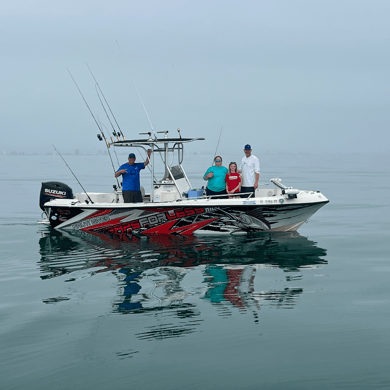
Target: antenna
x,y
220,133
132,79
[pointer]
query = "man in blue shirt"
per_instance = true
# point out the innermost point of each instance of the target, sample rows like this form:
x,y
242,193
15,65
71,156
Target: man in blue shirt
x,y
130,171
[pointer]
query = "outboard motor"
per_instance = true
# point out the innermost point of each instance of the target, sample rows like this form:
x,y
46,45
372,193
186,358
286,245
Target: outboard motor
x,y
54,190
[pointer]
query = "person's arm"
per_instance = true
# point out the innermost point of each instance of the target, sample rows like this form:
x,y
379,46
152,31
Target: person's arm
x,y
237,187
120,172
148,158
239,170
257,172
208,175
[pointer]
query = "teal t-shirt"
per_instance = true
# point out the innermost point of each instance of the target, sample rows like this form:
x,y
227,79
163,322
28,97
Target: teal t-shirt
x,y
217,182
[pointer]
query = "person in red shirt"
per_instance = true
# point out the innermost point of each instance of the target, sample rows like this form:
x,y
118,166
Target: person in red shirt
x,y
233,180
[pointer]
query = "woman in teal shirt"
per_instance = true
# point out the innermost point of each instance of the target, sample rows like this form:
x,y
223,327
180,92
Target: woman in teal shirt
x,y
215,176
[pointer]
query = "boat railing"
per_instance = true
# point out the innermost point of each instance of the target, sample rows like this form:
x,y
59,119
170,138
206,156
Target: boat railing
x,y
240,194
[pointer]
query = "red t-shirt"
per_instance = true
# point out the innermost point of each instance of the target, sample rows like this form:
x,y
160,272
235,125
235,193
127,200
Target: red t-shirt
x,y
232,180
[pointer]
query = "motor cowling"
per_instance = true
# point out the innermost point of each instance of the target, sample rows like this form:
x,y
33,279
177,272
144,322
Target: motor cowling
x,y
54,190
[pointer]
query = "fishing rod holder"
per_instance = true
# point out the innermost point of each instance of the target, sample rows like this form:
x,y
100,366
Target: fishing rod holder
x,y
149,134
165,132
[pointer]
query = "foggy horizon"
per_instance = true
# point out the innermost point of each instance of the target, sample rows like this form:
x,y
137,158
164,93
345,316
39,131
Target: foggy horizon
x,y
294,77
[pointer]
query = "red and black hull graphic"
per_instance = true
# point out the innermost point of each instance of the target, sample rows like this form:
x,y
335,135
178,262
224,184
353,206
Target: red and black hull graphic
x,y
120,221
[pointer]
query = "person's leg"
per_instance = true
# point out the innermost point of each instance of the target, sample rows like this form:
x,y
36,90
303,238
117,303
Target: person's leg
x,y
134,197
126,196
137,197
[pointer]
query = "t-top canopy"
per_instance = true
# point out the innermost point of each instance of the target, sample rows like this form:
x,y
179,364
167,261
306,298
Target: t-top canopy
x,y
155,141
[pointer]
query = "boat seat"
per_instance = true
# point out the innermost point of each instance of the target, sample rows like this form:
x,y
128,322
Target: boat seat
x,y
180,179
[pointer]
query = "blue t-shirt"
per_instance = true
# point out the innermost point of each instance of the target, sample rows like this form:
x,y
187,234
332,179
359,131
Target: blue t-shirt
x,y
217,182
130,181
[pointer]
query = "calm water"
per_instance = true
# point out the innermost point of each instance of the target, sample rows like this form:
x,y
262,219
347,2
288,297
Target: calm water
x,y
281,311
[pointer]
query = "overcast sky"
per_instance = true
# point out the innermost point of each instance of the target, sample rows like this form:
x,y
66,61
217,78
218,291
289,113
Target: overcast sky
x,y
282,75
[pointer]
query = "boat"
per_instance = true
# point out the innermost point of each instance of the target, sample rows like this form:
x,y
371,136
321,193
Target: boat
x,y
173,206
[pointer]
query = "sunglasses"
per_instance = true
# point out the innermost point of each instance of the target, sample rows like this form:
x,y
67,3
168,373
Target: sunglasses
x,y
233,162
218,160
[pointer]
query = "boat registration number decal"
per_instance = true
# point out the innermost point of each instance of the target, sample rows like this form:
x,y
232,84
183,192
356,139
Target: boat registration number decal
x,y
270,201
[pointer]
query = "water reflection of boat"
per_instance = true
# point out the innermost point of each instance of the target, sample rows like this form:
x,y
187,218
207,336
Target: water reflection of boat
x,y
158,265
173,275
63,253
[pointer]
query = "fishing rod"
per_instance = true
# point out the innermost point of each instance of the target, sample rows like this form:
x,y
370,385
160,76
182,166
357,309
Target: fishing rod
x,y
215,154
120,130
97,124
115,134
102,124
73,174
108,149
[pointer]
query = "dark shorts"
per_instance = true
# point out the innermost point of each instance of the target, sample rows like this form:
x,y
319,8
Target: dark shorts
x,y
211,192
132,196
247,189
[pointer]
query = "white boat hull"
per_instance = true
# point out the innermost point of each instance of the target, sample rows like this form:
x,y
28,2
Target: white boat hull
x,y
197,216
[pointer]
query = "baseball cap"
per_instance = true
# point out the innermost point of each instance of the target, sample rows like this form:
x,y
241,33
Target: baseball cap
x,y
131,155
247,147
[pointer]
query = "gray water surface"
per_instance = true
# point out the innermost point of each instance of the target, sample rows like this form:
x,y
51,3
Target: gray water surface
x,y
269,311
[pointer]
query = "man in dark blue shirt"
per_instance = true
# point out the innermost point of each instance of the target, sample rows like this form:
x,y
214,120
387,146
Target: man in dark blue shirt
x,y
130,171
